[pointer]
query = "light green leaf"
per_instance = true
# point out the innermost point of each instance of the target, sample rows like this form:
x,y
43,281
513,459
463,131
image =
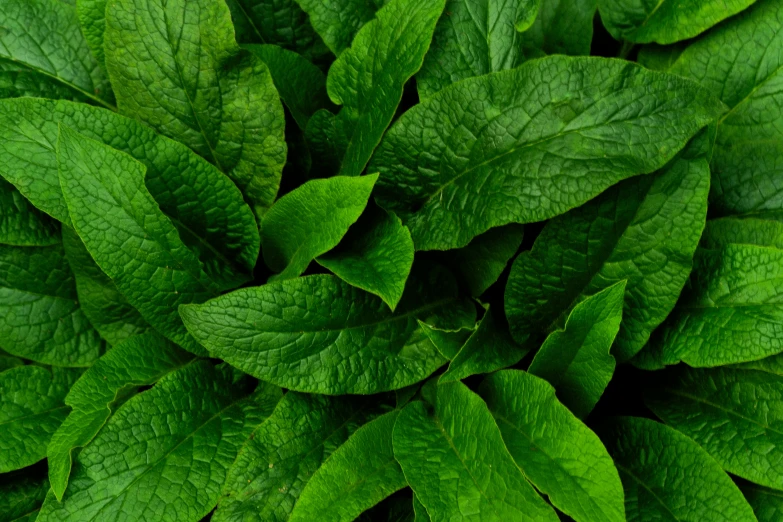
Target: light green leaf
x,y
358,475
310,221
419,510
31,409
16,81
283,453
318,334
166,452
128,236
21,224
576,360
367,79
375,255
139,361
473,38
736,415
748,231
665,21
556,452
666,476
561,27
457,464
175,66
338,21
21,494
106,308
205,206
531,143
766,503
40,317
44,36
92,19
644,230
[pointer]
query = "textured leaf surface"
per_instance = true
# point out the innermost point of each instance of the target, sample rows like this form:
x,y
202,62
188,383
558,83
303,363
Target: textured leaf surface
x,y
9,361
576,360
644,230
21,224
139,361
92,19
556,452
448,341
283,453
749,231
17,80
561,27
531,143
375,255
457,464
318,334
21,494
358,475
166,452
338,21
31,409
736,415
310,221
179,70
766,503
128,236
666,476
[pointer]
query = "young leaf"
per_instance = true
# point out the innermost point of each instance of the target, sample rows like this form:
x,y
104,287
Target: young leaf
x,y
576,360
139,361
283,453
375,255
21,224
40,316
358,475
766,503
735,415
368,78
665,22
318,334
338,21
667,476
31,409
457,464
166,451
21,495
556,452
310,221
191,81
561,27
570,127
644,230
128,236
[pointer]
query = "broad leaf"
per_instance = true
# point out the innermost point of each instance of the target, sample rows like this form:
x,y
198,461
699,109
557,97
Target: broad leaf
x,y
766,503
166,451
189,80
515,134
310,221
644,230
9,361
667,476
576,360
338,21
139,361
358,475
21,495
128,236
16,81
457,464
561,27
21,224
748,231
448,341
556,452
92,19
772,364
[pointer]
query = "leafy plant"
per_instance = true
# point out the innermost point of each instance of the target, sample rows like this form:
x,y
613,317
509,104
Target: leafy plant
x,y
401,260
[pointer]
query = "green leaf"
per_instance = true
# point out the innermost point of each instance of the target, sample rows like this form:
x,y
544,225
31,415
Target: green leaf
x,y
419,510
21,224
9,361
16,81
561,27
766,503
139,361
191,81
338,21
447,341
665,21
473,38
531,143
40,316
368,79
736,415
375,255
748,231
92,19
310,221
106,308
772,364
128,236
576,360
31,409
489,348
358,475
205,206
457,464
21,494
666,476
644,230
318,334
166,452
44,36
283,453
556,452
